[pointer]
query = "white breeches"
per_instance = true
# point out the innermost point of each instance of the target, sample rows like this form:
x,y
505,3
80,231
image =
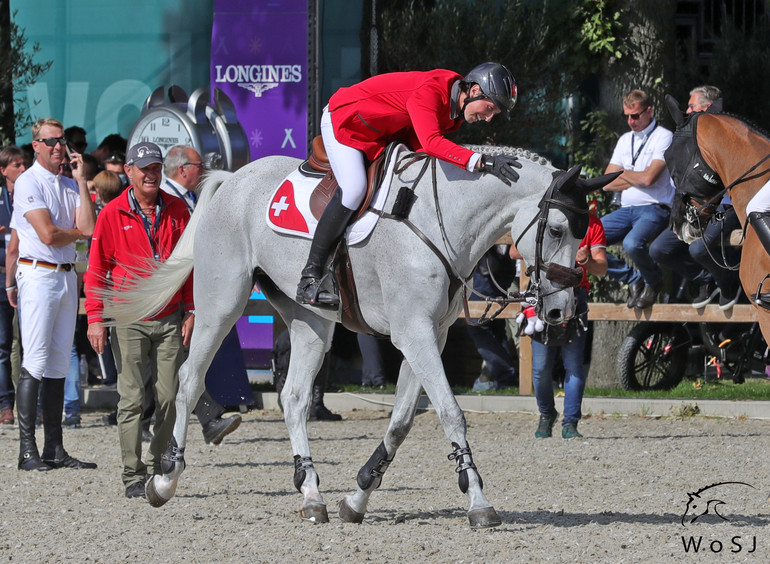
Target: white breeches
x,y
347,164
761,200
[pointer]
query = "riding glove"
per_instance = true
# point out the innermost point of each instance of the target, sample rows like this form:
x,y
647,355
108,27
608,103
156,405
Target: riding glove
x,y
502,166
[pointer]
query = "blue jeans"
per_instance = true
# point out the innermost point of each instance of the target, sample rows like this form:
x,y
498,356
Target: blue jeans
x,y
636,227
710,245
72,387
543,359
671,252
7,394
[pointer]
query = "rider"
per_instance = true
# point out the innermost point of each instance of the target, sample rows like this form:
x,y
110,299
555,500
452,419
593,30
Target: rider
x,y
417,108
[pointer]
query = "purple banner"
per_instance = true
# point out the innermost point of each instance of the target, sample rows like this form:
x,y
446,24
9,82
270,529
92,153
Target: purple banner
x,y
259,59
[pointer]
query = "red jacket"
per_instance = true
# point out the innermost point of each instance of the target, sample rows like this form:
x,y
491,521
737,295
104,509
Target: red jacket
x,y
411,107
121,243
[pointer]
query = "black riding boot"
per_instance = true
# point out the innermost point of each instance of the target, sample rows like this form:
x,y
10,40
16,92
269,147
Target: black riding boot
x,y
330,228
318,410
52,398
26,406
760,221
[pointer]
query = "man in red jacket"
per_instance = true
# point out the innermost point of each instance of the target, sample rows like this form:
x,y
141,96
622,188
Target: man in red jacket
x,y
416,108
138,227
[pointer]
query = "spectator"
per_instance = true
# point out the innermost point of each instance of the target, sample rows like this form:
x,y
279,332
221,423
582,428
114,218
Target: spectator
x,y
50,213
495,269
111,144
183,168
591,256
141,224
76,139
695,262
11,167
646,196
107,187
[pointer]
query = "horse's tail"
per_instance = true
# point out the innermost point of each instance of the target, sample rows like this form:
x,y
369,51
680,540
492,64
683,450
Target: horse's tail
x,y
156,284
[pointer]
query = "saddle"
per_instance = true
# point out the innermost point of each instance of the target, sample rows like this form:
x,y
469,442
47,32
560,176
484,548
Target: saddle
x,y
317,165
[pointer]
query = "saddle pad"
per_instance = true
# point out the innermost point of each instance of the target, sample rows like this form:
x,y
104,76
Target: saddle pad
x,y
288,210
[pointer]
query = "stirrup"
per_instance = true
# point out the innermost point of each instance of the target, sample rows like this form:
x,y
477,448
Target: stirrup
x,y
760,298
311,291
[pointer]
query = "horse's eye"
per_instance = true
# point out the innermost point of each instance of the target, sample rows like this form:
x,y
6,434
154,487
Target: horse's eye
x,y
554,232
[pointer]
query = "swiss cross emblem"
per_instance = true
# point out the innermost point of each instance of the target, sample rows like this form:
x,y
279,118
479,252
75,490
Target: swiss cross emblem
x,y
283,211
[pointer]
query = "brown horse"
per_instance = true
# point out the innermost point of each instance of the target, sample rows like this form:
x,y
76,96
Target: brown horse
x,y
711,154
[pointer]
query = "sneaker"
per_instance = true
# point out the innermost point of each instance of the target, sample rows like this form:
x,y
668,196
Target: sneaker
x,y
728,299
217,429
484,385
6,416
569,431
706,293
545,426
72,422
135,490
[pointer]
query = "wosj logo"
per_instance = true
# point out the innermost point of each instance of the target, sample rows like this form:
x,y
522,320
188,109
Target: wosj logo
x,y
258,78
718,503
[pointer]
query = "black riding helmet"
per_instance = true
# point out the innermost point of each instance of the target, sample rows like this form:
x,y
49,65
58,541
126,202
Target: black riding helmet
x,y
496,83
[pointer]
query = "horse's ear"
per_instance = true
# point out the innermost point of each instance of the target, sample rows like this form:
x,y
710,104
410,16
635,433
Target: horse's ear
x,y
674,110
590,184
716,107
567,179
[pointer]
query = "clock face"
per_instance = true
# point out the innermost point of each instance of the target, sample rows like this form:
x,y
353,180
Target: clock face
x,y
162,127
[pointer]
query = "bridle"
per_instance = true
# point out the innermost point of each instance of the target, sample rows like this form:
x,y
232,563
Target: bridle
x,y
532,296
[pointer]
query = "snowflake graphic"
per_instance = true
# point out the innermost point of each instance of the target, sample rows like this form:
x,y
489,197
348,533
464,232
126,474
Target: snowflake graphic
x,y
255,45
256,138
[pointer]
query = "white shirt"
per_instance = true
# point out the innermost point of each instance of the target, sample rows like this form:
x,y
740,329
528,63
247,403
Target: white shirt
x,y
648,145
175,189
37,188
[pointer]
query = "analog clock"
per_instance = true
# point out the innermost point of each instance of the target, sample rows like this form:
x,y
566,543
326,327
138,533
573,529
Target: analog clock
x,y
178,120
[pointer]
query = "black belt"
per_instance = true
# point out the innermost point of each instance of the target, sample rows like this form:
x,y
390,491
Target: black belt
x,y
664,206
66,267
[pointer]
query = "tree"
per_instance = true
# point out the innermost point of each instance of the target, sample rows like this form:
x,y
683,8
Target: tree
x,y
18,70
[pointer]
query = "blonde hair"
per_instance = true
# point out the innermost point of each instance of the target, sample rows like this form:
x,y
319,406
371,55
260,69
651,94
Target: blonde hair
x,y
42,122
108,186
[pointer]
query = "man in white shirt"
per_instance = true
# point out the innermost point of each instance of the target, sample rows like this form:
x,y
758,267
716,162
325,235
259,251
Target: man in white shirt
x,y
51,212
647,193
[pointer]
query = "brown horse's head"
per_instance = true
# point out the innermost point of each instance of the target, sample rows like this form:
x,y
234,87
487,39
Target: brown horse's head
x,y
699,189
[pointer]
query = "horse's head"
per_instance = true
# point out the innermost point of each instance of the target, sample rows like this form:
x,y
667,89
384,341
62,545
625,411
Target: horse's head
x,y
552,237
698,188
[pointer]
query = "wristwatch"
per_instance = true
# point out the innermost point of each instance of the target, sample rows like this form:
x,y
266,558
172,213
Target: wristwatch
x,y
212,130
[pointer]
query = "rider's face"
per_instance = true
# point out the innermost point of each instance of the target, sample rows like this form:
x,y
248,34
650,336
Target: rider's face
x,y
480,110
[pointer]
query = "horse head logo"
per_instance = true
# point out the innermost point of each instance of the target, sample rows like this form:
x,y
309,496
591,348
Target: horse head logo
x,y
699,505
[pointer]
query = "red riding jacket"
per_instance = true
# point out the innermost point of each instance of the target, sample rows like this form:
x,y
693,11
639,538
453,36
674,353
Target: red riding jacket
x,y
411,107
121,244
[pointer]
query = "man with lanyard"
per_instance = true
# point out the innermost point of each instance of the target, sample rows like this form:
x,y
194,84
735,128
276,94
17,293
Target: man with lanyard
x,y
51,212
140,224
646,196
183,168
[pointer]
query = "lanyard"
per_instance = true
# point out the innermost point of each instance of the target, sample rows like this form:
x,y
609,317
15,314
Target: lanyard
x,y
7,200
187,199
639,152
149,228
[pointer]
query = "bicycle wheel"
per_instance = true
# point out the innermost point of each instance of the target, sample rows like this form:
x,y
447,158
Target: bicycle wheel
x,y
653,356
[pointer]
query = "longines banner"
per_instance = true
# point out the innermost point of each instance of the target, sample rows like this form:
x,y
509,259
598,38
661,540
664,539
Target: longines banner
x,y
259,59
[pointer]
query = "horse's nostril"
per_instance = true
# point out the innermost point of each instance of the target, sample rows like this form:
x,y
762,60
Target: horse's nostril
x,y
553,315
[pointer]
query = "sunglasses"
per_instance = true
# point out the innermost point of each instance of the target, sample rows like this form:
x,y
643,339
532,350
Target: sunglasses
x,y
52,141
199,165
634,116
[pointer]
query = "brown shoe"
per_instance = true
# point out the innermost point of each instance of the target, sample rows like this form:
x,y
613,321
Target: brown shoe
x,y
6,416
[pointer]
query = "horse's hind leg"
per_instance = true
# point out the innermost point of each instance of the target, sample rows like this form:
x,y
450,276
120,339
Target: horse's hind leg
x,y
353,507
310,340
212,323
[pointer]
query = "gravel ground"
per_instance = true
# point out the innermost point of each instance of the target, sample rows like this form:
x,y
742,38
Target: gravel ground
x,y
618,495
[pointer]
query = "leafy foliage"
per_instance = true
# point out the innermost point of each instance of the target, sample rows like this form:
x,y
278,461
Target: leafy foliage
x,y
18,70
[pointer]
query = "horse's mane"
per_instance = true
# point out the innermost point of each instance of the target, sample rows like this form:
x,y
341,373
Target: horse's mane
x,y
511,151
753,127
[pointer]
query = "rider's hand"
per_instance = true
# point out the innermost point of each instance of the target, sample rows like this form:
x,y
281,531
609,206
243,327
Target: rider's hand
x,y
534,323
502,166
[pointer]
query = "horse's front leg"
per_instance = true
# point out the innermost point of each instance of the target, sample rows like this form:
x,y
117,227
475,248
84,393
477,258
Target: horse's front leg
x,y
353,507
308,349
425,359
160,489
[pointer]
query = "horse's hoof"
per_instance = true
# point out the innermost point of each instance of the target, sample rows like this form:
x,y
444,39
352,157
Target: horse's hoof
x,y
348,514
484,518
315,513
152,495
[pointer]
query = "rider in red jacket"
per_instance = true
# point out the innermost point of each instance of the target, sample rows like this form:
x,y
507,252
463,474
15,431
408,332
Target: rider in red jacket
x,y
416,108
